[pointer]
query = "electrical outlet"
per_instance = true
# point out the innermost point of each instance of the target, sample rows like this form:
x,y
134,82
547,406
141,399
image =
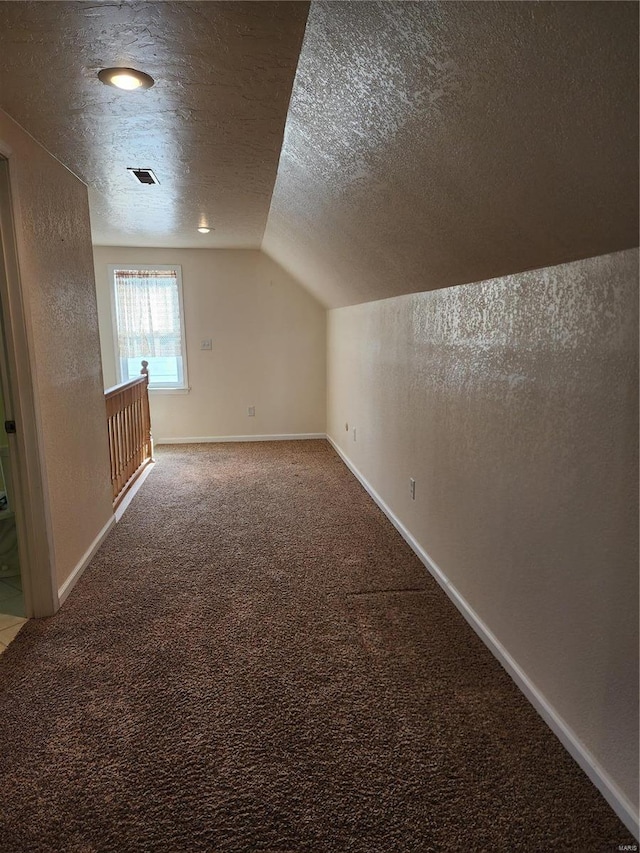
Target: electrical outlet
x,y
412,488
251,411
354,433
206,343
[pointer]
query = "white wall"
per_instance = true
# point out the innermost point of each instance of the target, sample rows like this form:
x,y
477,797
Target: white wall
x,y
53,238
268,345
514,405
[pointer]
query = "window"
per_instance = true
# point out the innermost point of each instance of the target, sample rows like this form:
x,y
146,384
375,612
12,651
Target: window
x,y
149,324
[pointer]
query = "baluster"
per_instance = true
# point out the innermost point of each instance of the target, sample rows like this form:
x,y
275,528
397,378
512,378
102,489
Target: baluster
x,y
128,432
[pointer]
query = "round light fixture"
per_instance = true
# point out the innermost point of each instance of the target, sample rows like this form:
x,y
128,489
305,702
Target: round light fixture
x,y
203,229
125,78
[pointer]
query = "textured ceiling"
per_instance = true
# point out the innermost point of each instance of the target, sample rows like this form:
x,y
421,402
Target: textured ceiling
x,y
427,144
434,144
211,128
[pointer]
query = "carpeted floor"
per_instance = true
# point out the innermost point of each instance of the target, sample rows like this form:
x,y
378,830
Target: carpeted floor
x,y
255,661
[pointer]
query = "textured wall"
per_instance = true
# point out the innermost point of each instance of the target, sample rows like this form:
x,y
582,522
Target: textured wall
x,y
514,405
54,254
268,345
435,144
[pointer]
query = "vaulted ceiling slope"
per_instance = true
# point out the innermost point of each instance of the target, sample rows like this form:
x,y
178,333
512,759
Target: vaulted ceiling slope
x,y
435,144
211,128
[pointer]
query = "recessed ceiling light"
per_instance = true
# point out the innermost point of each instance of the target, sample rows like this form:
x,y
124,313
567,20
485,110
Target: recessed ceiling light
x,y
125,78
203,229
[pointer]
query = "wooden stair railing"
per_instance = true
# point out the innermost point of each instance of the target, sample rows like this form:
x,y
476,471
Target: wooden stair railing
x,y
129,429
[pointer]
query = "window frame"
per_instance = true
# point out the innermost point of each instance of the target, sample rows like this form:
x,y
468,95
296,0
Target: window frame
x,y
163,388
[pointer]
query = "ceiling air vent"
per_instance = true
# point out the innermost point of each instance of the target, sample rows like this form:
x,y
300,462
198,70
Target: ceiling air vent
x,y
143,176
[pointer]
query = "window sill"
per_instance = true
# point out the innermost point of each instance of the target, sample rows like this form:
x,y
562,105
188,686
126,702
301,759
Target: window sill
x,y
163,391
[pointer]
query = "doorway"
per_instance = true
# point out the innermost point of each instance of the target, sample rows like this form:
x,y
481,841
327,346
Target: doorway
x,y
11,594
12,609
27,576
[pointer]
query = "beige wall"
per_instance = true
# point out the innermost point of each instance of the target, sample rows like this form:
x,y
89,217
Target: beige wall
x,y
268,345
54,254
513,403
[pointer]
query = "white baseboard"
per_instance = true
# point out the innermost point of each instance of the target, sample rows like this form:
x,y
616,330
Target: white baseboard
x,y
572,743
74,577
207,439
122,506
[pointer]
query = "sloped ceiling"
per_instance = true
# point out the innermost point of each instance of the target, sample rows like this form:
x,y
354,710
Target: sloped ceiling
x,y
211,128
426,144
435,144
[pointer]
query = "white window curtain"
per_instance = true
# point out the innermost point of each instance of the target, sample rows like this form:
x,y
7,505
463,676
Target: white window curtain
x,y
148,313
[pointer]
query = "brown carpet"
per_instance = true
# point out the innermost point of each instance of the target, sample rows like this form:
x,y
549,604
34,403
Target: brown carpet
x,y
255,661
